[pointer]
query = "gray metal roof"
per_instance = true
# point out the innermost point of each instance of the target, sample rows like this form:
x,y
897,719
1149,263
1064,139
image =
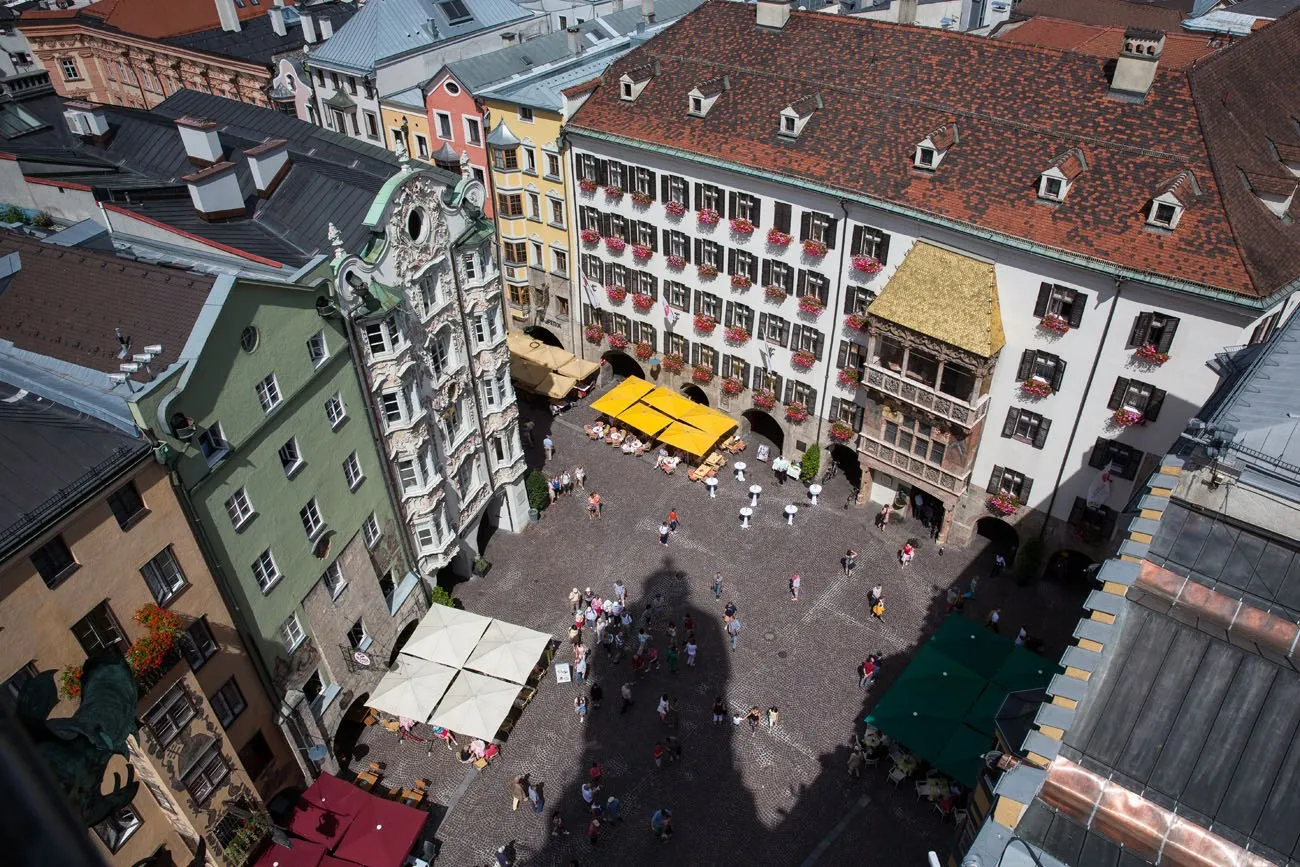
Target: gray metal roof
x,y
383,29
502,137
546,91
256,41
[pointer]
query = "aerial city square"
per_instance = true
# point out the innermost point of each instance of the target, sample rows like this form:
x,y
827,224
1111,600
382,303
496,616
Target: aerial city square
x,y
642,432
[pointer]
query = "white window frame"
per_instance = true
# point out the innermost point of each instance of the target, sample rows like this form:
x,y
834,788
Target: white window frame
x,y
218,446
553,161
411,466
473,131
291,633
336,412
312,522
168,577
291,448
393,407
266,572
333,580
240,509
352,471
427,537
268,393
318,349
370,530
443,120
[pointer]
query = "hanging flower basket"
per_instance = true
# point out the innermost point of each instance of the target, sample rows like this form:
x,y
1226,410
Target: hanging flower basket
x,y
1053,323
796,412
641,252
740,282
707,272
742,226
147,656
642,200
616,293
674,209
1126,418
849,378
764,398
702,374
867,264
1035,389
618,340
593,333
673,362
704,323
811,304
588,185
777,238
613,192
803,359
676,262
855,321
732,386
70,682
590,236
641,302
643,350
813,247
841,432
773,292
615,244
1003,504
707,217
735,335
1148,353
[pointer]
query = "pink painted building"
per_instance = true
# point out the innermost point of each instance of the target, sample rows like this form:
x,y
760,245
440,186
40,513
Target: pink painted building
x,y
454,119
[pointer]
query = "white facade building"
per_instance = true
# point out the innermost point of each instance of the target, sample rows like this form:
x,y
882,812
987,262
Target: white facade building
x,y
424,298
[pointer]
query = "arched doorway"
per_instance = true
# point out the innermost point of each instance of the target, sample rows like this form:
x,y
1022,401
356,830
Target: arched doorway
x,y
349,732
487,525
695,393
622,365
1070,568
402,637
1001,535
543,334
764,428
846,462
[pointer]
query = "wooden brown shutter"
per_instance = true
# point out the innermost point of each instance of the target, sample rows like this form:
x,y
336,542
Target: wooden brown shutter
x,y
832,232
1167,335
1141,327
995,480
1058,374
805,226
1157,400
1009,426
1026,365
1044,295
1077,307
1117,393
1040,436
1100,457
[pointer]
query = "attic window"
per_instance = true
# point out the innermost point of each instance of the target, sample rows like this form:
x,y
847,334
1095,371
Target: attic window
x,y
924,157
1052,188
697,106
788,125
455,11
627,91
1164,215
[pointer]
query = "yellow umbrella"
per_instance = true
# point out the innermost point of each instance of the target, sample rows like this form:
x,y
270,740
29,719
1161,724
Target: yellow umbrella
x,y
643,418
690,440
709,420
621,396
670,403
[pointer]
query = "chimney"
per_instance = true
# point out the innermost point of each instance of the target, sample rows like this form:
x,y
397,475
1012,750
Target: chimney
x,y
648,11
575,41
87,120
228,15
215,192
308,28
276,14
1135,71
268,163
618,6
326,29
202,144
773,13
907,11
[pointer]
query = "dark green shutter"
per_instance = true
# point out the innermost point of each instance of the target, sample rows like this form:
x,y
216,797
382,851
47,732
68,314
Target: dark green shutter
x,y
1117,393
1040,436
995,480
1009,426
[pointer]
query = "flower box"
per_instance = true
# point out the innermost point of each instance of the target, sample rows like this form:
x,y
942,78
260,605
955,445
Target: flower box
x,y
707,272
811,305
1053,323
1003,504
735,335
1126,418
742,226
707,217
618,340
642,200
590,236
773,292
615,293
849,378
593,333
677,262
642,253
702,373
613,192
588,185
803,359
615,244
642,302
777,238
740,282
867,264
764,398
673,362
152,654
855,321
1035,389
674,209
1148,353
643,350
704,323
796,412
732,386
841,432
813,247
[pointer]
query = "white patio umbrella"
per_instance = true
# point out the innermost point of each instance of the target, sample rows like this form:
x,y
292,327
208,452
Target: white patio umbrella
x,y
508,651
412,687
475,705
446,635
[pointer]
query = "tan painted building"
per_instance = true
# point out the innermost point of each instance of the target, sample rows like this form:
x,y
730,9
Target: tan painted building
x,y
90,534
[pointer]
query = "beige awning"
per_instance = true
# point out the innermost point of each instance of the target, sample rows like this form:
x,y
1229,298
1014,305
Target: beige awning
x,y
475,705
411,688
563,364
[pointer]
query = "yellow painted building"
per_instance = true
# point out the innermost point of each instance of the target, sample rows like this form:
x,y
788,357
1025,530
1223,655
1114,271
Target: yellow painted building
x,y
404,116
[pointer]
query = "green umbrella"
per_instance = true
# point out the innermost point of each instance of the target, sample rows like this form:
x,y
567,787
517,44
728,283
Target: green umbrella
x,y
1023,669
931,696
961,755
978,648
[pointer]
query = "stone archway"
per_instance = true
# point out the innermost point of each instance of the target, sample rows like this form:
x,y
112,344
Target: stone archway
x,y
545,335
845,459
761,426
622,365
1001,535
349,731
402,637
695,393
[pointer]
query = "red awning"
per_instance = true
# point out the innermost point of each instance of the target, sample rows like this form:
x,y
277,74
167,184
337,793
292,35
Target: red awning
x,y
382,834
331,861
303,854
326,810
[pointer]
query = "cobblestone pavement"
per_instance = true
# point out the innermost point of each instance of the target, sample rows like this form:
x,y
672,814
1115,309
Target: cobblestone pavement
x,y
762,799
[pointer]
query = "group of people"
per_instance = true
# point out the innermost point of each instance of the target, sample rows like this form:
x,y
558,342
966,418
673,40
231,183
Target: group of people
x,y
622,438
565,482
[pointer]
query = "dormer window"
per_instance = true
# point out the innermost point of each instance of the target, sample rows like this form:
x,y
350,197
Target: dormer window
x,y
788,124
632,82
931,150
1055,182
704,95
924,157
795,116
1178,194
627,91
697,106
1163,214
1051,188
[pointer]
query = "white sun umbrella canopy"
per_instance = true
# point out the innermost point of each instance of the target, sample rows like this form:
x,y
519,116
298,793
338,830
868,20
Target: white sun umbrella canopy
x,y
508,651
475,705
447,635
412,687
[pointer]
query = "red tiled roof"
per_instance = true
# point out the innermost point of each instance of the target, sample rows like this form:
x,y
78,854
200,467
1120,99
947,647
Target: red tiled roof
x,y
151,19
885,87
1072,163
1179,52
1106,13
65,303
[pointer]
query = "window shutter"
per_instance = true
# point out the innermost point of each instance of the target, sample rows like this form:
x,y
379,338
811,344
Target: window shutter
x,y
835,409
1076,511
762,326
756,210
729,317
605,224
699,198
1167,336
1058,374
663,187
850,299
1117,393
794,337
1026,365
731,202
859,235
789,391
1076,309
767,272
722,202
650,181
654,237
602,172
802,287
686,249
1152,412
882,247
995,480
752,261
1040,436
1100,457
1044,295
1108,516
731,261
1025,487
805,226
831,232
699,248
1009,426
842,358
695,353
819,343
1132,464
781,216
1141,326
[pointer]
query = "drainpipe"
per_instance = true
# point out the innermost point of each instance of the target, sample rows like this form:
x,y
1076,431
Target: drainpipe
x,y
1087,390
839,292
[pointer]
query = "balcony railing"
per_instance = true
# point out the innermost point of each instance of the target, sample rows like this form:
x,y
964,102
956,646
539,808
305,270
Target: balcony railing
x,y
927,398
912,465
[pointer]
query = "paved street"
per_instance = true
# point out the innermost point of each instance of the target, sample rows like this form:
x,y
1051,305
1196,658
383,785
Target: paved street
x,y
768,798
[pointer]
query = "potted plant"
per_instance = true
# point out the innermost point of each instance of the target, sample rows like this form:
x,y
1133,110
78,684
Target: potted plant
x,y
588,185
673,362
732,386
777,238
736,335
811,304
615,293
590,236
707,217
796,412
674,208
537,488
641,200
856,321
849,378
764,398
741,282
1053,323
594,333
867,264
1148,353
813,247
1035,389
70,682
1003,504
641,252
676,262
641,302
613,192
705,323
742,226
618,340
811,463
1124,417
707,272
702,374
774,292
803,359
841,432
481,567
615,244
643,350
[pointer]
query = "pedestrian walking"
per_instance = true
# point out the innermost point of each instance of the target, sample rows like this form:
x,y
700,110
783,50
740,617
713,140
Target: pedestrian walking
x,y
580,669
661,823
672,659
575,601
876,593
673,748
878,611
754,717
795,582
869,669
589,793
625,692
672,632
518,791
658,753
596,694
691,649
906,554
642,637
999,563
638,665
506,855
951,600
536,797
882,517
613,810
652,658
719,710
548,446
595,773
729,613
992,620
557,826
600,505
970,591
688,623
673,520
663,534
580,707
850,562
733,629
855,764
773,716
566,482
593,505
580,476
553,489
664,707
593,831
620,592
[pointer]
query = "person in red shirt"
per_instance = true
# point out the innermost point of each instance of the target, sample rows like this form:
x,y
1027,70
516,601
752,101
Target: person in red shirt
x,y
672,521
659,755
595,774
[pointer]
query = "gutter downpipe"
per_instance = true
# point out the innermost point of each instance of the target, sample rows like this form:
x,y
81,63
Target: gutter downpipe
x,y
1087,390
839,303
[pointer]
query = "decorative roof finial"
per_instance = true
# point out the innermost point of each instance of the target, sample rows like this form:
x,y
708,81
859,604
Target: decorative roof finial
x,y
336,240
466,171
403,157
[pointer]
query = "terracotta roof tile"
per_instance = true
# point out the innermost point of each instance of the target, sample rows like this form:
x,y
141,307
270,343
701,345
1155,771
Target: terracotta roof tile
x,y
1107,13
1288,152
153,19
885,86
1180,51
1271,184
944,137
1072,163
